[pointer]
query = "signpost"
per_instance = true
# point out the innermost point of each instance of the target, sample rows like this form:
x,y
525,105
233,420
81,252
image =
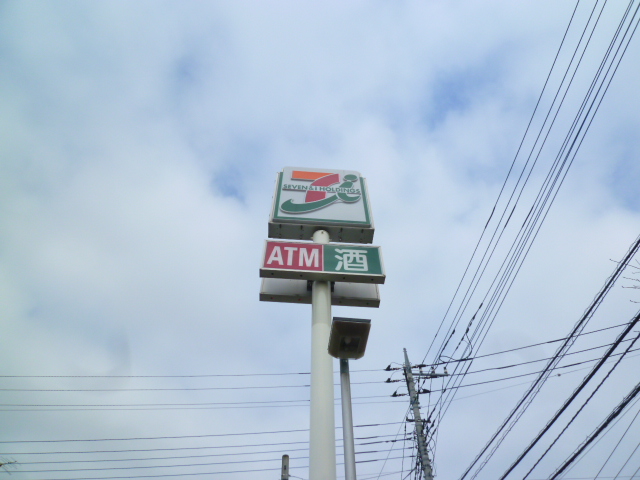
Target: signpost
x,y
321,205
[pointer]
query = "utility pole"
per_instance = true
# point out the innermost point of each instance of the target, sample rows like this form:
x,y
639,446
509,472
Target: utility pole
x,y
285,468
415,404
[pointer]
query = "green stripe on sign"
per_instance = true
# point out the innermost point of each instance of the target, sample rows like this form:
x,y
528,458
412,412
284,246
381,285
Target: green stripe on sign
x,y
352,259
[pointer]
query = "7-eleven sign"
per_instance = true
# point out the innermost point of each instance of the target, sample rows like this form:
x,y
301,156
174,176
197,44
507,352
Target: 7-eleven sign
x,y
307,199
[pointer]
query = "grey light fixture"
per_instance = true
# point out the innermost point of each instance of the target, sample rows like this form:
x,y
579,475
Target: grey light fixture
x,y
348,339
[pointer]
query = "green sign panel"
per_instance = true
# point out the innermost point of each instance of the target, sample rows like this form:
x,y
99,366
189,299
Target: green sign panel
x,y
352,259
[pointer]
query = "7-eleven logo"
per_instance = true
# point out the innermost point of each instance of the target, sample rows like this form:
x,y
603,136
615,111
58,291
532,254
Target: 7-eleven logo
x,y
322,191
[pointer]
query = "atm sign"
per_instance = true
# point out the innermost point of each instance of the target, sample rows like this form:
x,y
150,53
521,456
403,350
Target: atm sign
x,y
325,262
294,256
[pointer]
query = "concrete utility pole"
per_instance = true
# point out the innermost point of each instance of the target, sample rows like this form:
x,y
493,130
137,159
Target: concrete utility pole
x,y
322,441
415,404
285,468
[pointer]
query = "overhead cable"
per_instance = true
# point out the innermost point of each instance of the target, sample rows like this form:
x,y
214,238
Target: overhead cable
x,y
618,443
172,449
614,413
183,436
518,252
573,396
568,150
532,391
503,186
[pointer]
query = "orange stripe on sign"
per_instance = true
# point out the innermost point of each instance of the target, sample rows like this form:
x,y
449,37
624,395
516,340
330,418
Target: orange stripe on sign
x,y
299,175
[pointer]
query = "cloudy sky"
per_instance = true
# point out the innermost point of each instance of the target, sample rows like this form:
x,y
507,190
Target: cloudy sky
x,y
140,146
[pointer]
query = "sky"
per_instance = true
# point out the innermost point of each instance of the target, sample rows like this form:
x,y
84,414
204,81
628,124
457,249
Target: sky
x,y
140,143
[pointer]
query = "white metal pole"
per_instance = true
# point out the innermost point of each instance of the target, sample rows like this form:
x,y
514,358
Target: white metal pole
x,y
322,440
347,422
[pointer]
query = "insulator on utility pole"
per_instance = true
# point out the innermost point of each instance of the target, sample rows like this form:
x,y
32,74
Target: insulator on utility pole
x,y
425,461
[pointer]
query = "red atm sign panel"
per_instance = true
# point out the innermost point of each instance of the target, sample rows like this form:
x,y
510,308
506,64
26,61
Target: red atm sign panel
x,y
294,256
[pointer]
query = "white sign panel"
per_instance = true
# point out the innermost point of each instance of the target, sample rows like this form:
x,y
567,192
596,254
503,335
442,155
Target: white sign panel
x,y
298,291
310,198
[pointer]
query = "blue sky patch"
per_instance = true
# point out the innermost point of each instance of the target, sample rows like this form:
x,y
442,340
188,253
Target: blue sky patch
x,y
229,183
625,176
457,90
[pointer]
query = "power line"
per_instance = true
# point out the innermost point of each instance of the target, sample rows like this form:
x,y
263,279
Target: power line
x,y
519,249
187,474
182,436
160,389
618,444
466,359
527,398
614,413
177,376
528,362
524,375
200,448
397,434
519,348
192,456
159,406
594,102
559,174
259,403
573,396
168,466
232,375
498,198
600,438
148,409
267,404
